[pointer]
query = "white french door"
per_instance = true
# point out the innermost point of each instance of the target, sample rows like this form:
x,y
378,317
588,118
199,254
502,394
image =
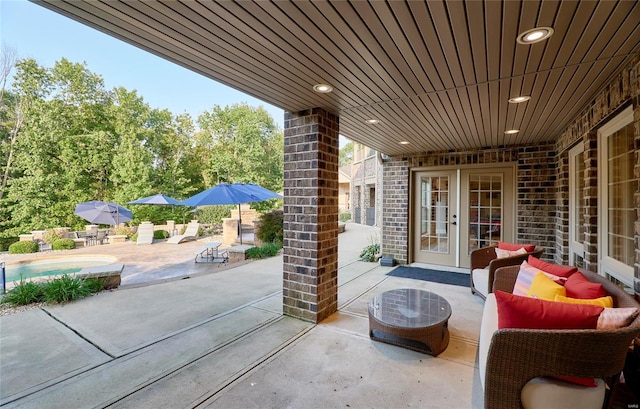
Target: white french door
x,y
435,223
616,208
459,210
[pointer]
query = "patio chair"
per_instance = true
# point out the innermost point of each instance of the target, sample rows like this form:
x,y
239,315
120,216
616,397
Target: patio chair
x,y
484,263
80,238
145,233
43,246
101,236
191,233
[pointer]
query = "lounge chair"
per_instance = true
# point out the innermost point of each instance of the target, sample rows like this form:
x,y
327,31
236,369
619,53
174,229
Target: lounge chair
x,y
145,233
190,234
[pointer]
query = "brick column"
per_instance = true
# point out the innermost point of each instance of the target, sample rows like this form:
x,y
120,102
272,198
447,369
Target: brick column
x,y
310,248
395,210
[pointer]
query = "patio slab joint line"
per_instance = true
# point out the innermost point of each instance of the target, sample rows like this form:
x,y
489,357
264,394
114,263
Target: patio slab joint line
x,y
247,370
77,333
217,348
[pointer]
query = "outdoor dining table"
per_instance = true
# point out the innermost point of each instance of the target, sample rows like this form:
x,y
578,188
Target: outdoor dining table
x,y
208,253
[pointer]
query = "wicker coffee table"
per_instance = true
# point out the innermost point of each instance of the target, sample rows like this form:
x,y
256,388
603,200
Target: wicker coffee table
x,y
410,318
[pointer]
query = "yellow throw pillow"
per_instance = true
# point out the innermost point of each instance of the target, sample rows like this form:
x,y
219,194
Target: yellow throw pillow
x,y
606,302
544,288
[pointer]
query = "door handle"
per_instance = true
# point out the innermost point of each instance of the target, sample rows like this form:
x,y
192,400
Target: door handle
x,y
454,223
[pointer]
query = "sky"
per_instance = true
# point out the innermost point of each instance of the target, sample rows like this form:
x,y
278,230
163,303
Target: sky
x,y
36,32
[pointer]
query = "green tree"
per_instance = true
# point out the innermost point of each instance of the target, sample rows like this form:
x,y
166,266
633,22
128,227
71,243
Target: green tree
x,y
132,158
346,154
63,112
240,143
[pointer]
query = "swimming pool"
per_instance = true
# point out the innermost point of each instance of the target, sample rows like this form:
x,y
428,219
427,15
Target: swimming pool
x,y
53,266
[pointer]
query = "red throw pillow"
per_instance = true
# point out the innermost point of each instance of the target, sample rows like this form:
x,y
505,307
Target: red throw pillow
x,y
579,286
524,312
590,382
555,269
513,247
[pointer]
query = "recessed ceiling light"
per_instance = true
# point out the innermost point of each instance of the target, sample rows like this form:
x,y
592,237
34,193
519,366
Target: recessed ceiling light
x,y
511,131
373,121
404,142
535,35
322,88
517,100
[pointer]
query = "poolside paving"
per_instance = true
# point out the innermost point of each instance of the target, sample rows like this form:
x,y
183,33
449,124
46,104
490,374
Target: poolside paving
x,y
218,339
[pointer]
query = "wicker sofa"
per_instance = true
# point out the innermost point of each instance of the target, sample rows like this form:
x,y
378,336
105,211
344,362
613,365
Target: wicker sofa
x,y
484,264
510,358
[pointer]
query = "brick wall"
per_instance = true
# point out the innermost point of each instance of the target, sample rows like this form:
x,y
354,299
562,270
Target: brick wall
x,y
536,208
395,209
623,89
310,247
536,198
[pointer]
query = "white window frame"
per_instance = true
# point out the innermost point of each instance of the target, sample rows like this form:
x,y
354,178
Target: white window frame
x,y
576,248
608,265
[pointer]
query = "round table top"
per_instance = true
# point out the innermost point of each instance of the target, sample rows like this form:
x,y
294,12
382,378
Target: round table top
x,y
409,308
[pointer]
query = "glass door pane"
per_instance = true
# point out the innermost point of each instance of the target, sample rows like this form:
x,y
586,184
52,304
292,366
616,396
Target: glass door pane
x,y
434,214
485,210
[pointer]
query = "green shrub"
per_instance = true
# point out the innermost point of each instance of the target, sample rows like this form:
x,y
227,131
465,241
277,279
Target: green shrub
x,y
5,242
52,235
58,290
63,244
24,247
160,234
344,217
134,238
264,251
26,292
93,285
64,289
271,227
370,253
213,214
124,230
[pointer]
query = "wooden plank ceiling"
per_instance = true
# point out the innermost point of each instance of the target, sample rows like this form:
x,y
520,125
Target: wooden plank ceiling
x,y
435,74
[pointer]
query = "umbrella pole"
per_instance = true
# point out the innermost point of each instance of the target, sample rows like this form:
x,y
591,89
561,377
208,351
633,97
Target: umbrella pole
x,y
239,224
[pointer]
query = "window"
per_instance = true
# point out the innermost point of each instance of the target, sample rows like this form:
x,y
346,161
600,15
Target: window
x,y
618,184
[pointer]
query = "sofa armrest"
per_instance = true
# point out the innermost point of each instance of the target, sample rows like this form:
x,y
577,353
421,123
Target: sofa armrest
x,y
519,355
480,258
504,278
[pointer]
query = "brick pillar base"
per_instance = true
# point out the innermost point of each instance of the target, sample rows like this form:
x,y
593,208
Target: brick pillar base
x,y
310,248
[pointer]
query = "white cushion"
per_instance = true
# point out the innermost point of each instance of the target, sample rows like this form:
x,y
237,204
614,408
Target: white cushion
x,y
487,328
543,393
480,278
500,253
548,393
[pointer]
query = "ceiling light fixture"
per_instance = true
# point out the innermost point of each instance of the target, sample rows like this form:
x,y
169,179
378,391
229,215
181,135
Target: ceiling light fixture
x,y
404,142
322,88
535,35
517,100
511,131
373,121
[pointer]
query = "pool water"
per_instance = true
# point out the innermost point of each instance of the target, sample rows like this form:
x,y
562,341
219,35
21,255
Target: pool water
x,y
51,267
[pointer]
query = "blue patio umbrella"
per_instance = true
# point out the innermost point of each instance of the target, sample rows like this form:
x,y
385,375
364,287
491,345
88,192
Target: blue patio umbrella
x,y
99,212
228,194
158,199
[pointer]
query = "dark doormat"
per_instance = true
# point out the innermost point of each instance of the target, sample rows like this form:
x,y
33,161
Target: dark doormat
x,y
426,274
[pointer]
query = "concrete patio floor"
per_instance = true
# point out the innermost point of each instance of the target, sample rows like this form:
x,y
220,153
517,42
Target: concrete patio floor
x,y
219,340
